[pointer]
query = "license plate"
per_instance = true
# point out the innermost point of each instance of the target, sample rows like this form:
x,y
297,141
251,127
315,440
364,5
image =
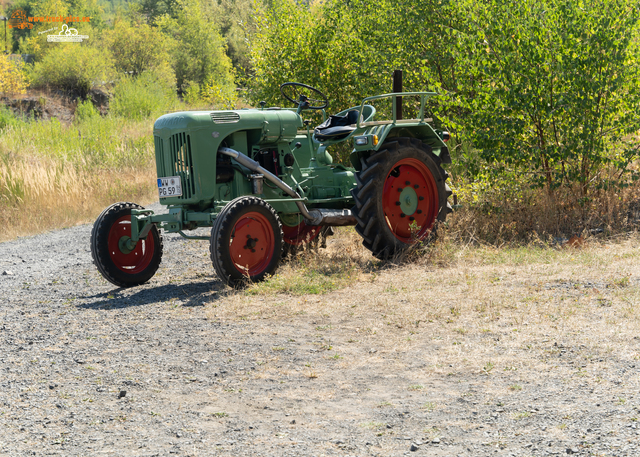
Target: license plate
x,y
169,187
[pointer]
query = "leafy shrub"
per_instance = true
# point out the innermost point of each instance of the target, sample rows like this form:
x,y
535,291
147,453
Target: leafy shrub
x,y
74,68
7,118
138,47
199,56
12,80
139,98
213,94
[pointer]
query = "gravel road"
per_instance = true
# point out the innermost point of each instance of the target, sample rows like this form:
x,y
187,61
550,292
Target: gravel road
x,y
89,369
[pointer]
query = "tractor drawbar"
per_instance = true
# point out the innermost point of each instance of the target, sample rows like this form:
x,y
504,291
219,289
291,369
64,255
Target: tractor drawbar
x,y
313,217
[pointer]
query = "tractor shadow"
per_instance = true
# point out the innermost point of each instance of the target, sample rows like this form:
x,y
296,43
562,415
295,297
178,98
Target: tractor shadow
x,y
193,294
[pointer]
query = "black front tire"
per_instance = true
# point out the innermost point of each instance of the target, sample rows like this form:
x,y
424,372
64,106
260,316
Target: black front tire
x,y
124,268
246,241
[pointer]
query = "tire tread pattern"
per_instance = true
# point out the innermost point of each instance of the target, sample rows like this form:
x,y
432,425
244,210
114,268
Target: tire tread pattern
x,y
370,182
223,224
100,249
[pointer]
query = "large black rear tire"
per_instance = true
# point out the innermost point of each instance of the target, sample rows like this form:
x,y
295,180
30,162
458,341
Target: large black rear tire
x,y
400,197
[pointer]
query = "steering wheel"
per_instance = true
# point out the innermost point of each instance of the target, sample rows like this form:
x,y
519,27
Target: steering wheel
x,y
297,94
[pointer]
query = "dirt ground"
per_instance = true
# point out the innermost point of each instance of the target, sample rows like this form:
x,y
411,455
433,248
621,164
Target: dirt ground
x,y
512,352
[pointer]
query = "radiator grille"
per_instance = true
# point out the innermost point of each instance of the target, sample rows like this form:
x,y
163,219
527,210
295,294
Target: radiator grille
x,y
182,163
160,169
225,117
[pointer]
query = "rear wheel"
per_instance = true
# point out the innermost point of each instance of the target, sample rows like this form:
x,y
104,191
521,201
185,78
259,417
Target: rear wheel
x,y
246,241
400,196
115,260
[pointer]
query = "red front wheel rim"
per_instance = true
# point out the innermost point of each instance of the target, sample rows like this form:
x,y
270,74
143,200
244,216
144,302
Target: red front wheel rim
x,y
252,244
139,258
410,200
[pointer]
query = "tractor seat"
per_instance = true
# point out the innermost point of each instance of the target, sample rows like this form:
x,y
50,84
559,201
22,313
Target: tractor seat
x,y
336,127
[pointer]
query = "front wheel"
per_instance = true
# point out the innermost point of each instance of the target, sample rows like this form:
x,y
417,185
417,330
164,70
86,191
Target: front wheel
x,y
246,241
401,194
119,264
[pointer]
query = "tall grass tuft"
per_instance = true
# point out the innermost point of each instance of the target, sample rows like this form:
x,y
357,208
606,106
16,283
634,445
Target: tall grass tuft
x,y
84,111
6,117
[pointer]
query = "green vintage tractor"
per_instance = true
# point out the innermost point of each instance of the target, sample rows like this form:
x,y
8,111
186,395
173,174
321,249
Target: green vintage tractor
x,y
265,182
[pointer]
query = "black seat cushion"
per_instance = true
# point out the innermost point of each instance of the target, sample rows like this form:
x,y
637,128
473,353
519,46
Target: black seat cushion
x,y
336,127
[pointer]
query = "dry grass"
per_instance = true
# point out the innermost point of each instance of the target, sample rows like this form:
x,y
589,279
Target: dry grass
x,y
53,175
486,308
499,213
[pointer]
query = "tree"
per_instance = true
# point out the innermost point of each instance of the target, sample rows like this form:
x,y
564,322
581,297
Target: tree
x,y
236,21
139,47
350,49
199,56
552,87
33,41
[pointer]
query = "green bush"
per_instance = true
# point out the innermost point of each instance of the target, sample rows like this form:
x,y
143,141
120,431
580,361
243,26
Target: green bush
x,y
211,94
199,56
7,118
85,110
74,68
138,47
139,98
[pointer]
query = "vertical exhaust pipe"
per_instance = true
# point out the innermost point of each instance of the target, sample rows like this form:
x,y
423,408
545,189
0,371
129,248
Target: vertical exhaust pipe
x,y
397,88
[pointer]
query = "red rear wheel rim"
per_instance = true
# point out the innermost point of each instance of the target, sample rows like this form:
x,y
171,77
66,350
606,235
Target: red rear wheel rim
x,y
132,262
252,244
410,187
299,234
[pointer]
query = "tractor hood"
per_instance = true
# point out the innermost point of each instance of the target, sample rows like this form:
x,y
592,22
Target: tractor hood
x,y
278,122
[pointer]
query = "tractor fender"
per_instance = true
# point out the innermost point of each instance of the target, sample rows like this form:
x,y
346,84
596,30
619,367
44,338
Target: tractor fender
x,y
421,131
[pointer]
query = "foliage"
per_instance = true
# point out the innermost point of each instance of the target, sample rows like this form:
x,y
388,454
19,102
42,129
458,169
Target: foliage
x,y
233,18
551,87
139,98
138,47
7,118
546,91
85,110
199,56
350,49
153,10
74,68
34,41
281,52
213,94
237,25
12,79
